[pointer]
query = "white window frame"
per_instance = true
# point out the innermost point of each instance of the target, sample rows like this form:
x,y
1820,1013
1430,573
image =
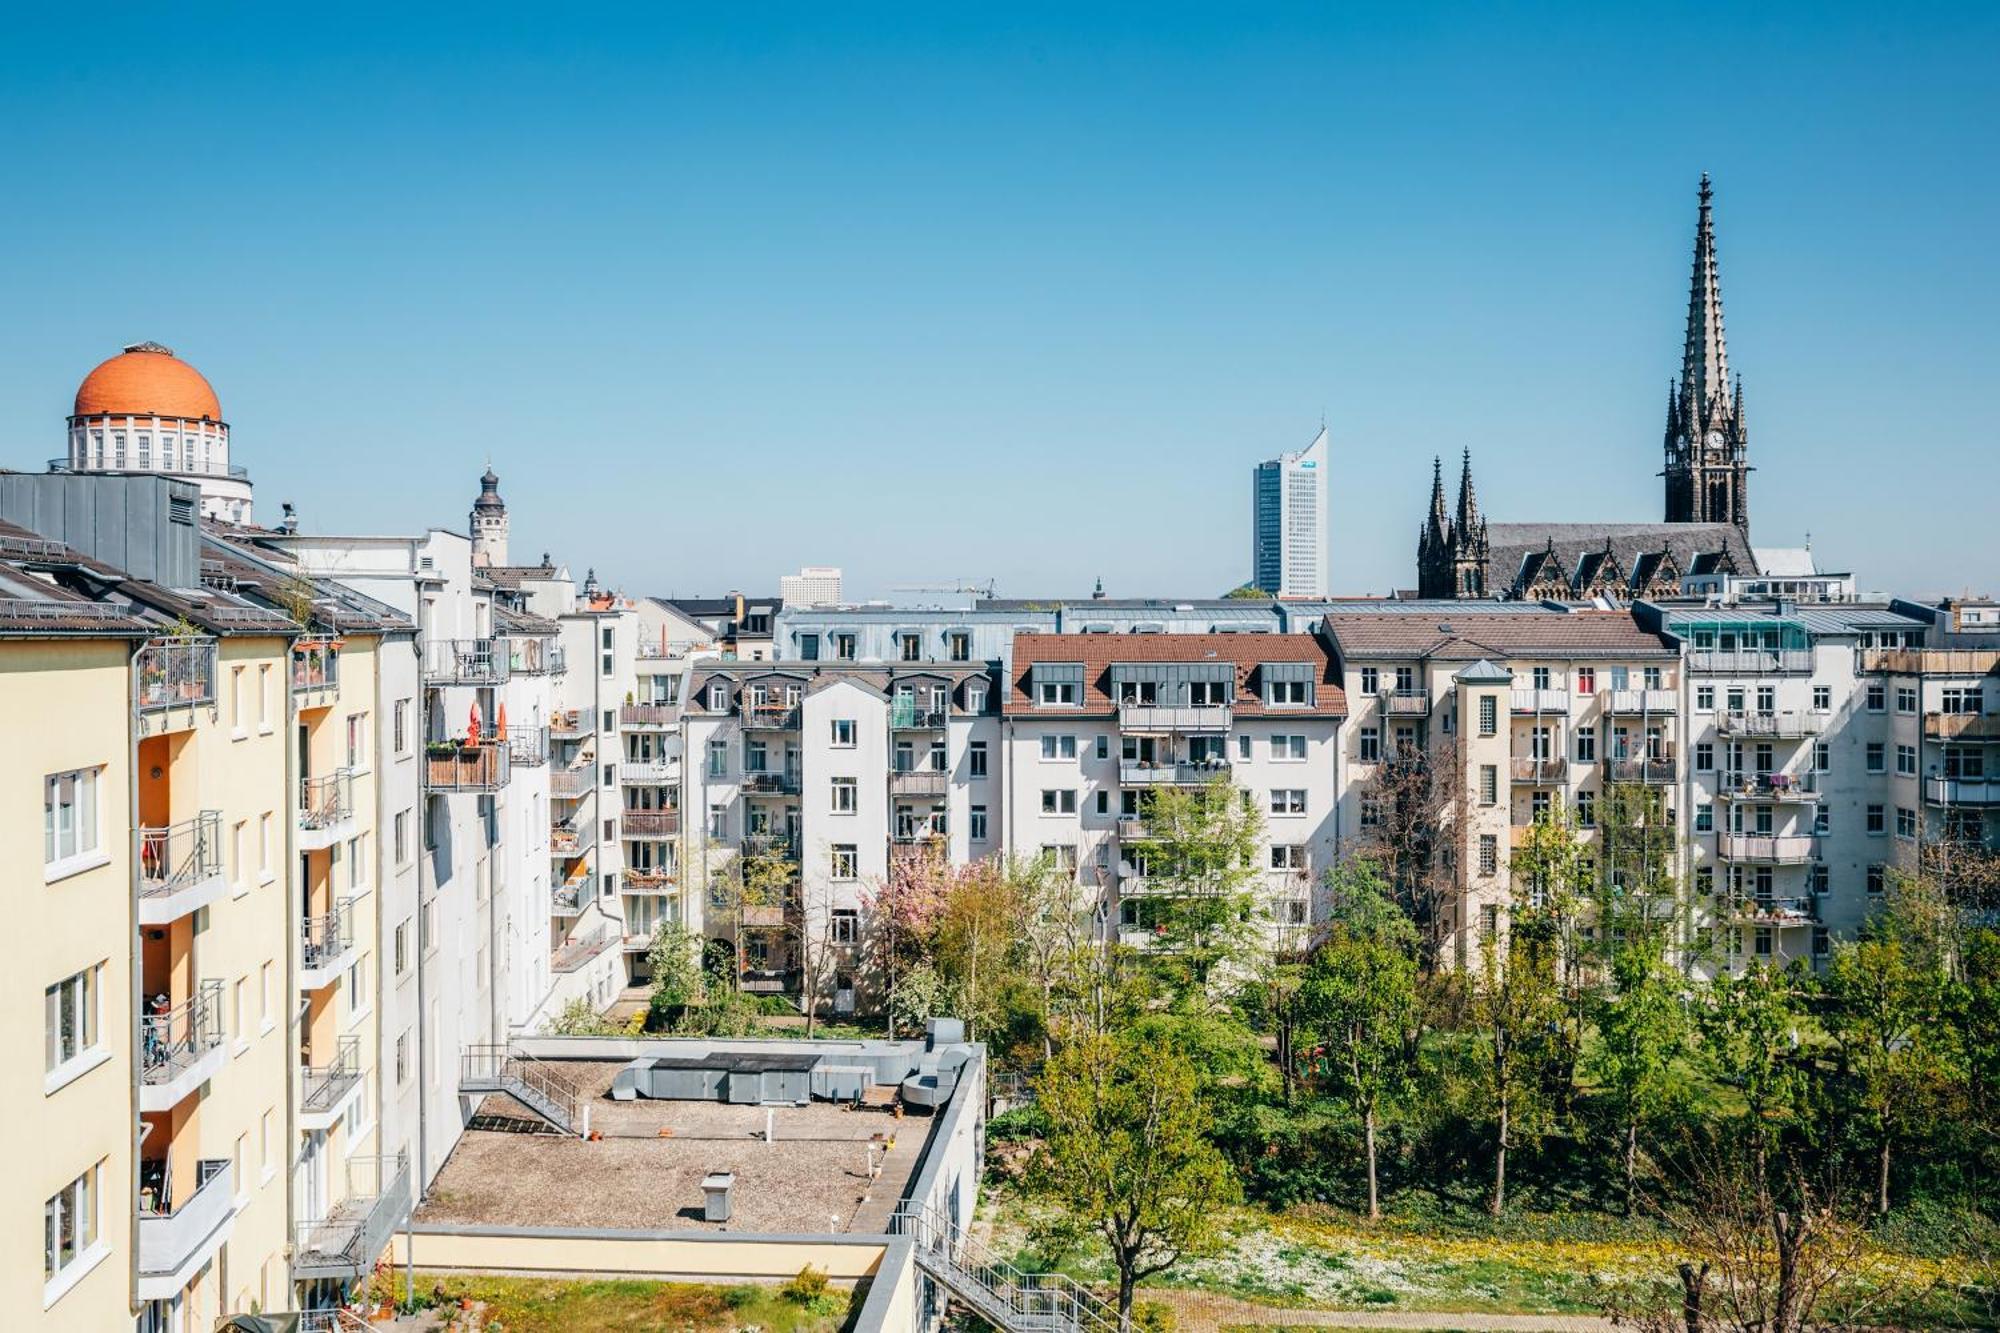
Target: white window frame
x,y
80,845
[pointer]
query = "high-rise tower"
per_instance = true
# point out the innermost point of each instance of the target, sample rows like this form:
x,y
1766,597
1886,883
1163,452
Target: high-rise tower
x,y
1288,523
1708,469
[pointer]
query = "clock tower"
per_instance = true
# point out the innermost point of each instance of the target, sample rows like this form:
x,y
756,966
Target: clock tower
x,y
1708,469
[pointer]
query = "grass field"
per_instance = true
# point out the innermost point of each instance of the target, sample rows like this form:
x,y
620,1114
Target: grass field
x,y
538,1305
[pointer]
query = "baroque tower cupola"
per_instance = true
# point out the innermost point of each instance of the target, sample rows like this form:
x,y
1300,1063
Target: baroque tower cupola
x,y
488,526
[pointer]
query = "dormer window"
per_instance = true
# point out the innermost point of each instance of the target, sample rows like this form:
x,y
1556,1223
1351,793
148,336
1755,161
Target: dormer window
x,y
718,696
910,646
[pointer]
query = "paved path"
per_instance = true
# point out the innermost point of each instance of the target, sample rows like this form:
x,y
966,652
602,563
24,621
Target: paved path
x,y
1199,1310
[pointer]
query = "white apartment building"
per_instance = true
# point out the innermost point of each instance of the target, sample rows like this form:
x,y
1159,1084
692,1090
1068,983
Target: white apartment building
x,y
1288,537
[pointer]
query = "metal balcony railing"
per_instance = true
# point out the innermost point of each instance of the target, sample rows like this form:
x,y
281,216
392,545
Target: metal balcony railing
x,y
1539,771
1640,701
449,766
1767,848
175,672
994,1290
649,772
465,662
910,831
1750,661
347,1241
770,844
1962,791
175,1038
1650,769
1406,702
323,1085
1798,910
534,655
771,717
770,784
649,823
569,724
326,801
1167,772
324,938
918,782
1140,717
646,717
565,840
1744,785
569,784
566,899
528,747
646,879
1541,701
173,1225
315,664
907,715
180,855
1787,725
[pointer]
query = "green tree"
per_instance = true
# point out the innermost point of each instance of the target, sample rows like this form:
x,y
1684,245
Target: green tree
x,y
1643,1034
1359,994
1518,1007
674,958
1199,853
1752,1028
1127,1155
1248,593
1555,874
978,936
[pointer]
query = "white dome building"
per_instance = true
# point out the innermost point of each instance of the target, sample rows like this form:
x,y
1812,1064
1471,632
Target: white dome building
x,y
146,410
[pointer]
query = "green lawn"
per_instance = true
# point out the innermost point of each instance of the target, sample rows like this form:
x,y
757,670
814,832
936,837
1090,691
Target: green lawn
x,y
543,1305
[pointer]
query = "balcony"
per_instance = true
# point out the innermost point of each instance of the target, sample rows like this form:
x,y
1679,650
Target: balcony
x,y
534,655
911,832
918,782
569,725
316,671
1766,848
570,784
528,747
905,715
1762,911
566,900
646,717
1539,772
175,673
180,1048
647,879
770,844
1541,701
178,1236
180,868
1751,661
1171,773
648,772
453,766
1652,770
466,662
770,717
326,810
326,946
328,1090
649,823
1771,788
1962,726
1790,725
1406,703
1630,702
346,1243
1962,791
1140,717
770,784
565,840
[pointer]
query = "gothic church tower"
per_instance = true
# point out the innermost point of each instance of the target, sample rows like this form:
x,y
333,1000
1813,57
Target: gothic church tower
x,y
1708,469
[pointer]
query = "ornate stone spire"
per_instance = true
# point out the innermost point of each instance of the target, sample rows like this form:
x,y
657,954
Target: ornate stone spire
x,y
1705,356
1468,500
1707,472
1440,517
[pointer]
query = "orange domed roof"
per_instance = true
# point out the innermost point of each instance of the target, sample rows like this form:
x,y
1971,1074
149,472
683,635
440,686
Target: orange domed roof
x,y
147,379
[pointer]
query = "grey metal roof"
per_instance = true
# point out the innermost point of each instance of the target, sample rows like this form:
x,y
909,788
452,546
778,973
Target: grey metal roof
x,y
1813,617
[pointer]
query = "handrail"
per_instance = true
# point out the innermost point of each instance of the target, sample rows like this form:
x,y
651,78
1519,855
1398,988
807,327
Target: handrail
x,y
326,1084
173,1038
174,857
175,671
325,937
326,801
530,1082
995,1288
465,662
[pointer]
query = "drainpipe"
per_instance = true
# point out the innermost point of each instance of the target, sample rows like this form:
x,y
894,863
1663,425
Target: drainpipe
x,y
134,964
417,642
294,921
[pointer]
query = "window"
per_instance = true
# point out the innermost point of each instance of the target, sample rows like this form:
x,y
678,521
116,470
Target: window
x,y
1288,749
1763,945
1489,784
1704,817
1288,693
1371,745
1906,822
910,647
842,862
1538,806
236,700
1489,854
843,646
70,1011
958,646
718,821
264,847
70,832
1704,757
1288,800
1878,823
1704,698
845,794
1371,811
1489,714
1586,745
399,721
1822,757
1961,699
1906,698
1058,747
1208,693
264,697
1822,821
1586,680
1878,879
357,740
846,926
1906,760
1058,801
975,697
1875,756
976,825
1056,694
1822,697
1288,856
1877,698
402,1061
69,1225
1371,681
718,758
402,951
1103,802
1489,922
975,759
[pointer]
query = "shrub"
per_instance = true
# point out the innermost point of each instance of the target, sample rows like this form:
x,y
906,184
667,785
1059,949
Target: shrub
x,y
808,1288
740,1298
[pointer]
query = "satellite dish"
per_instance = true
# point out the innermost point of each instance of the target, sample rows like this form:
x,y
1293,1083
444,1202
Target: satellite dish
x,y
1125,870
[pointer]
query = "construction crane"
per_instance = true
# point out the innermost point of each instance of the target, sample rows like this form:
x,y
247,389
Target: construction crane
x,y
963,587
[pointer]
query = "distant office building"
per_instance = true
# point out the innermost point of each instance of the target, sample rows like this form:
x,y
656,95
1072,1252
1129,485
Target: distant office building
x,y
814,585
1288,523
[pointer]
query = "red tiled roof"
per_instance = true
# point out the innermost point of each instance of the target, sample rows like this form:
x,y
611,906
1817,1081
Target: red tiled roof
x,y
1098,653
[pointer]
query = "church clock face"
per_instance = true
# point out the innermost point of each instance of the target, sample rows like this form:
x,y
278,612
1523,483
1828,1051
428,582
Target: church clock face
x,y
1715,439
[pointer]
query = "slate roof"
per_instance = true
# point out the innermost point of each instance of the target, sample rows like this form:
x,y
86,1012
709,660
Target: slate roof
x,y
52,584
1519,550
508,620
1582,634
1098,653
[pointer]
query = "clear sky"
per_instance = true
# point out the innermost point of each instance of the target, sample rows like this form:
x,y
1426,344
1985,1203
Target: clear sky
x,y
1018,292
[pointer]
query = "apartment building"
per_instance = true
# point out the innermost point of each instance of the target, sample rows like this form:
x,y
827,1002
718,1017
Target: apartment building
x,y
1531,707
1094,722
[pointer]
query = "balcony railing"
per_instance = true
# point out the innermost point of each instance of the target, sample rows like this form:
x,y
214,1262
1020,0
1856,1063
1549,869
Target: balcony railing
x,y
1798,910
346,1242
647,772
1163,718
570,783
175,1231
534,655
918,782
465,661
1541,701
569,724
1750,661
175,672
565,840
770,784
528,747
179,856
770,844
646,879
1398,703
905,714
566,899
1744,785
323,1085
1962,791
326,801
1640,701
1766,848
1962,726
646,717
766,916
175,1039
1170,773
323,939
771,717
1543,771
1787,725
449,766
911,831
315,664
1649,769
649,823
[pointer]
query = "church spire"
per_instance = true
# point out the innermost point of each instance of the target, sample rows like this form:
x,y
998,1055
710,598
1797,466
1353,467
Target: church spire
x,y
1440,519
1705,356
1468,501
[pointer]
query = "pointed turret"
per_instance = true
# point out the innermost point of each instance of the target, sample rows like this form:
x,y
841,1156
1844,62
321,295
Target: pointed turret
x,y
1440,518
1706,475
1705,355
1468,500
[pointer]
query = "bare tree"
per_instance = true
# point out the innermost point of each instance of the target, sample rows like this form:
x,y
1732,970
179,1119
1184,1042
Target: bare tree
x,y
1414,802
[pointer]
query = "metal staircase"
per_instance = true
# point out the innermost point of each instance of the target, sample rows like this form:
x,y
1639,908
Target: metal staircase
x,y
530,1082
999,1293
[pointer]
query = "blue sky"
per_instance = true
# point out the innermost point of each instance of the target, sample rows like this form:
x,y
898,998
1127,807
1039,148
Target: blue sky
x,y
1017,292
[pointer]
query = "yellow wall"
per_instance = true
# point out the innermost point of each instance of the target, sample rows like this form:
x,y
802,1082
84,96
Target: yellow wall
x,y
744,1259
63,706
